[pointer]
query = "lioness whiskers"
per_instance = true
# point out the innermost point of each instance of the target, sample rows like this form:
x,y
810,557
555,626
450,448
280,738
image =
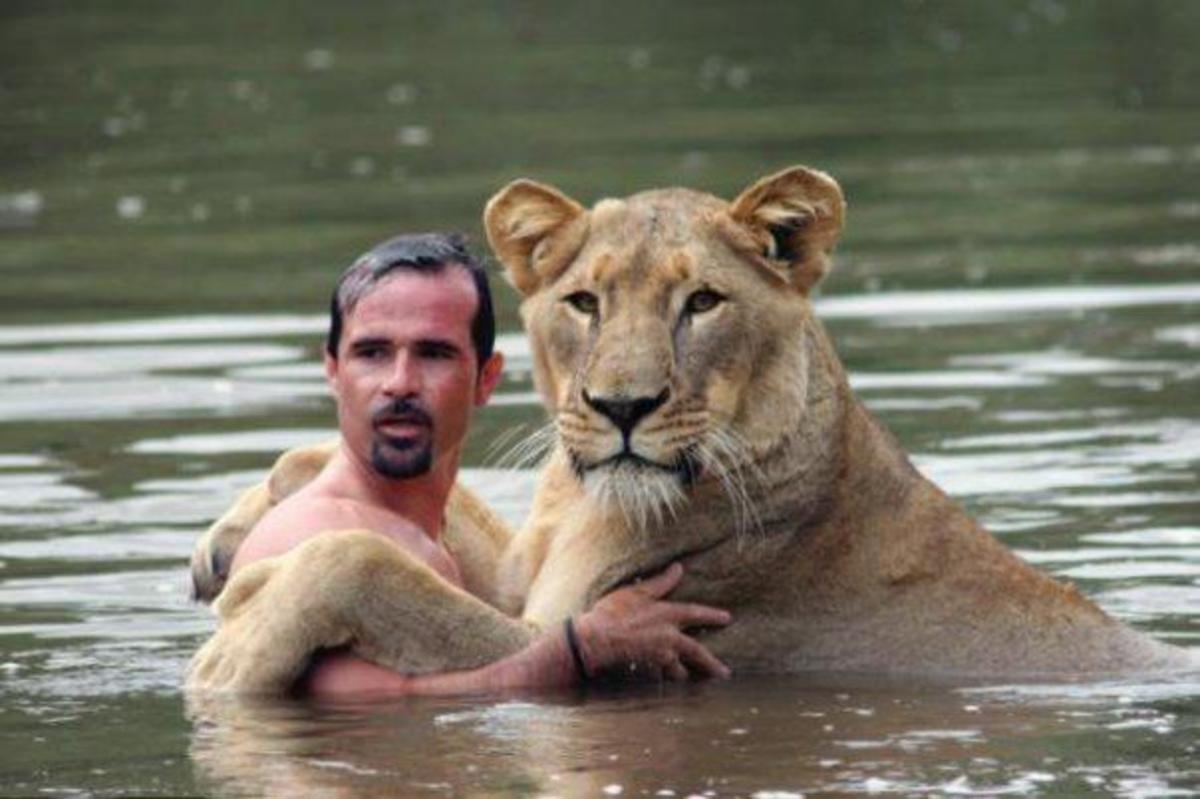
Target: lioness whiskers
x,y
529,451
725,455
640,494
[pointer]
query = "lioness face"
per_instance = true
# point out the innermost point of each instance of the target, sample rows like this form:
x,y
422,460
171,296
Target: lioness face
x,y
660,323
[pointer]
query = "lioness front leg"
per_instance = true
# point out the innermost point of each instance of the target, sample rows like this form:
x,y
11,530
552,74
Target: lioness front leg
x,y
213,553
346,588
578,566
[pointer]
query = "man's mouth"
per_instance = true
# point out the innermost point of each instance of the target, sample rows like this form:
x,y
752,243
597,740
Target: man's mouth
x,y
405,423
401,425
399,428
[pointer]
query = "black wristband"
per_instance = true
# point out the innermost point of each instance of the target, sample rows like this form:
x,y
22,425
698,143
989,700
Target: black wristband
x,y
576,651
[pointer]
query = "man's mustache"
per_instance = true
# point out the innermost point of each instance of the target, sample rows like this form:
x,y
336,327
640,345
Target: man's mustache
x,y
403,410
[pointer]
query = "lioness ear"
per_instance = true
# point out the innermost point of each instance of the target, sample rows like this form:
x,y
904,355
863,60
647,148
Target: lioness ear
x,y
526,224
796,216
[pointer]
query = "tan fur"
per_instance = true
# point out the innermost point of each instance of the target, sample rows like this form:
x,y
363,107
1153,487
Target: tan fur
x,y
807,521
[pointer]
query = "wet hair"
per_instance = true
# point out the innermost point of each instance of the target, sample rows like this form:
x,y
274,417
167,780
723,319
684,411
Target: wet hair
x,y
428,253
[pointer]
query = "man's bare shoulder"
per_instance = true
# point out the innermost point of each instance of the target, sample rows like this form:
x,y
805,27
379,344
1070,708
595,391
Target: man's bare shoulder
x,y
295,520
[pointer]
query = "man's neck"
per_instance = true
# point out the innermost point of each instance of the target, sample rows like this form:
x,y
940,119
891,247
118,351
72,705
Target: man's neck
x,y
421,499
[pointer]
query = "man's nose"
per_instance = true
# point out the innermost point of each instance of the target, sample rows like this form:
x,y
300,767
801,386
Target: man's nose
x,y
404,377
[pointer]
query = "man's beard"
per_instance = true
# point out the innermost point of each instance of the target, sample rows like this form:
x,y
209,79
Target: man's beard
x,y
402,458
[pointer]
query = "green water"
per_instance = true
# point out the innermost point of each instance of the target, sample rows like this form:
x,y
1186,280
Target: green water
x,y
180,184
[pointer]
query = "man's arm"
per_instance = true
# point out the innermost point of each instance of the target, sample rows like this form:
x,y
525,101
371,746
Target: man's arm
x,y
632,625
544,663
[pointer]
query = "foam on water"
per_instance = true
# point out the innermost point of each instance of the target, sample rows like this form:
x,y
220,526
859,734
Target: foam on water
x,y
270,442
999,306
163,397
74,363
184,328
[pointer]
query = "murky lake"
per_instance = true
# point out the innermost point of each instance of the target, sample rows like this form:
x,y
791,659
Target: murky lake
x,y
1016,296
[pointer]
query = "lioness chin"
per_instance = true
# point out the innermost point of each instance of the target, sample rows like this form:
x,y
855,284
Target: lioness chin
x,y
701,414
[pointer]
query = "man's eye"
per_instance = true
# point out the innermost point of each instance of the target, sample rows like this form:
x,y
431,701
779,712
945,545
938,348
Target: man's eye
x,y
583,301
370,353
701,301
437,350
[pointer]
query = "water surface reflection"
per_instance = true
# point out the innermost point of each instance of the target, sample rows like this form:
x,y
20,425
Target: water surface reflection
x,y
762,737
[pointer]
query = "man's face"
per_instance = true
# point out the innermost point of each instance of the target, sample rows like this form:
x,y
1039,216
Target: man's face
x,y
406,376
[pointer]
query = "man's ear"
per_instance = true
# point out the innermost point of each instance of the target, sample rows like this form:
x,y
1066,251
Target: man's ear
x,y
331,367
534,230
796,217
489,378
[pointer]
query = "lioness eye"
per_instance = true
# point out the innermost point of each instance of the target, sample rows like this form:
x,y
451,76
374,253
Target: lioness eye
x,y
584,302
701,301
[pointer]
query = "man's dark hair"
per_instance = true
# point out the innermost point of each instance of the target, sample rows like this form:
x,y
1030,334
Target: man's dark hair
x,y
430,253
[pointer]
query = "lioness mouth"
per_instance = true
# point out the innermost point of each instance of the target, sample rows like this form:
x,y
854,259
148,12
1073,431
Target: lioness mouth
x,y
685,466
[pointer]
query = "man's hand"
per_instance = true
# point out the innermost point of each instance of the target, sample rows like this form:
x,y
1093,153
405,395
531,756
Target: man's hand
x,y
633,628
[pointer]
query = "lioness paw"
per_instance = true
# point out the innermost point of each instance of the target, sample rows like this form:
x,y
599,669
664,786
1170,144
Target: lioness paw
x,y
214,552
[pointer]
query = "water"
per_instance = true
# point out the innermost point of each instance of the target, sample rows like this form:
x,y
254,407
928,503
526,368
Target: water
x,y
1016,297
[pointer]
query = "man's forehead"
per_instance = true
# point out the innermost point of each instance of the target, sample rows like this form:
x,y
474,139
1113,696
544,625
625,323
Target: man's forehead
x,y
445,299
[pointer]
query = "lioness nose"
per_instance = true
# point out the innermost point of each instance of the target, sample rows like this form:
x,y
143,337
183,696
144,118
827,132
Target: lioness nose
x,y
625,412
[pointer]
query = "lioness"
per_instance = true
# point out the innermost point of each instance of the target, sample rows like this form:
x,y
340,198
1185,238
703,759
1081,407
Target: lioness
x,y
701,414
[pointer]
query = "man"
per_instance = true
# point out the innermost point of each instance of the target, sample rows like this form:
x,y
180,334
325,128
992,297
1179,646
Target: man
x,y
409,357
